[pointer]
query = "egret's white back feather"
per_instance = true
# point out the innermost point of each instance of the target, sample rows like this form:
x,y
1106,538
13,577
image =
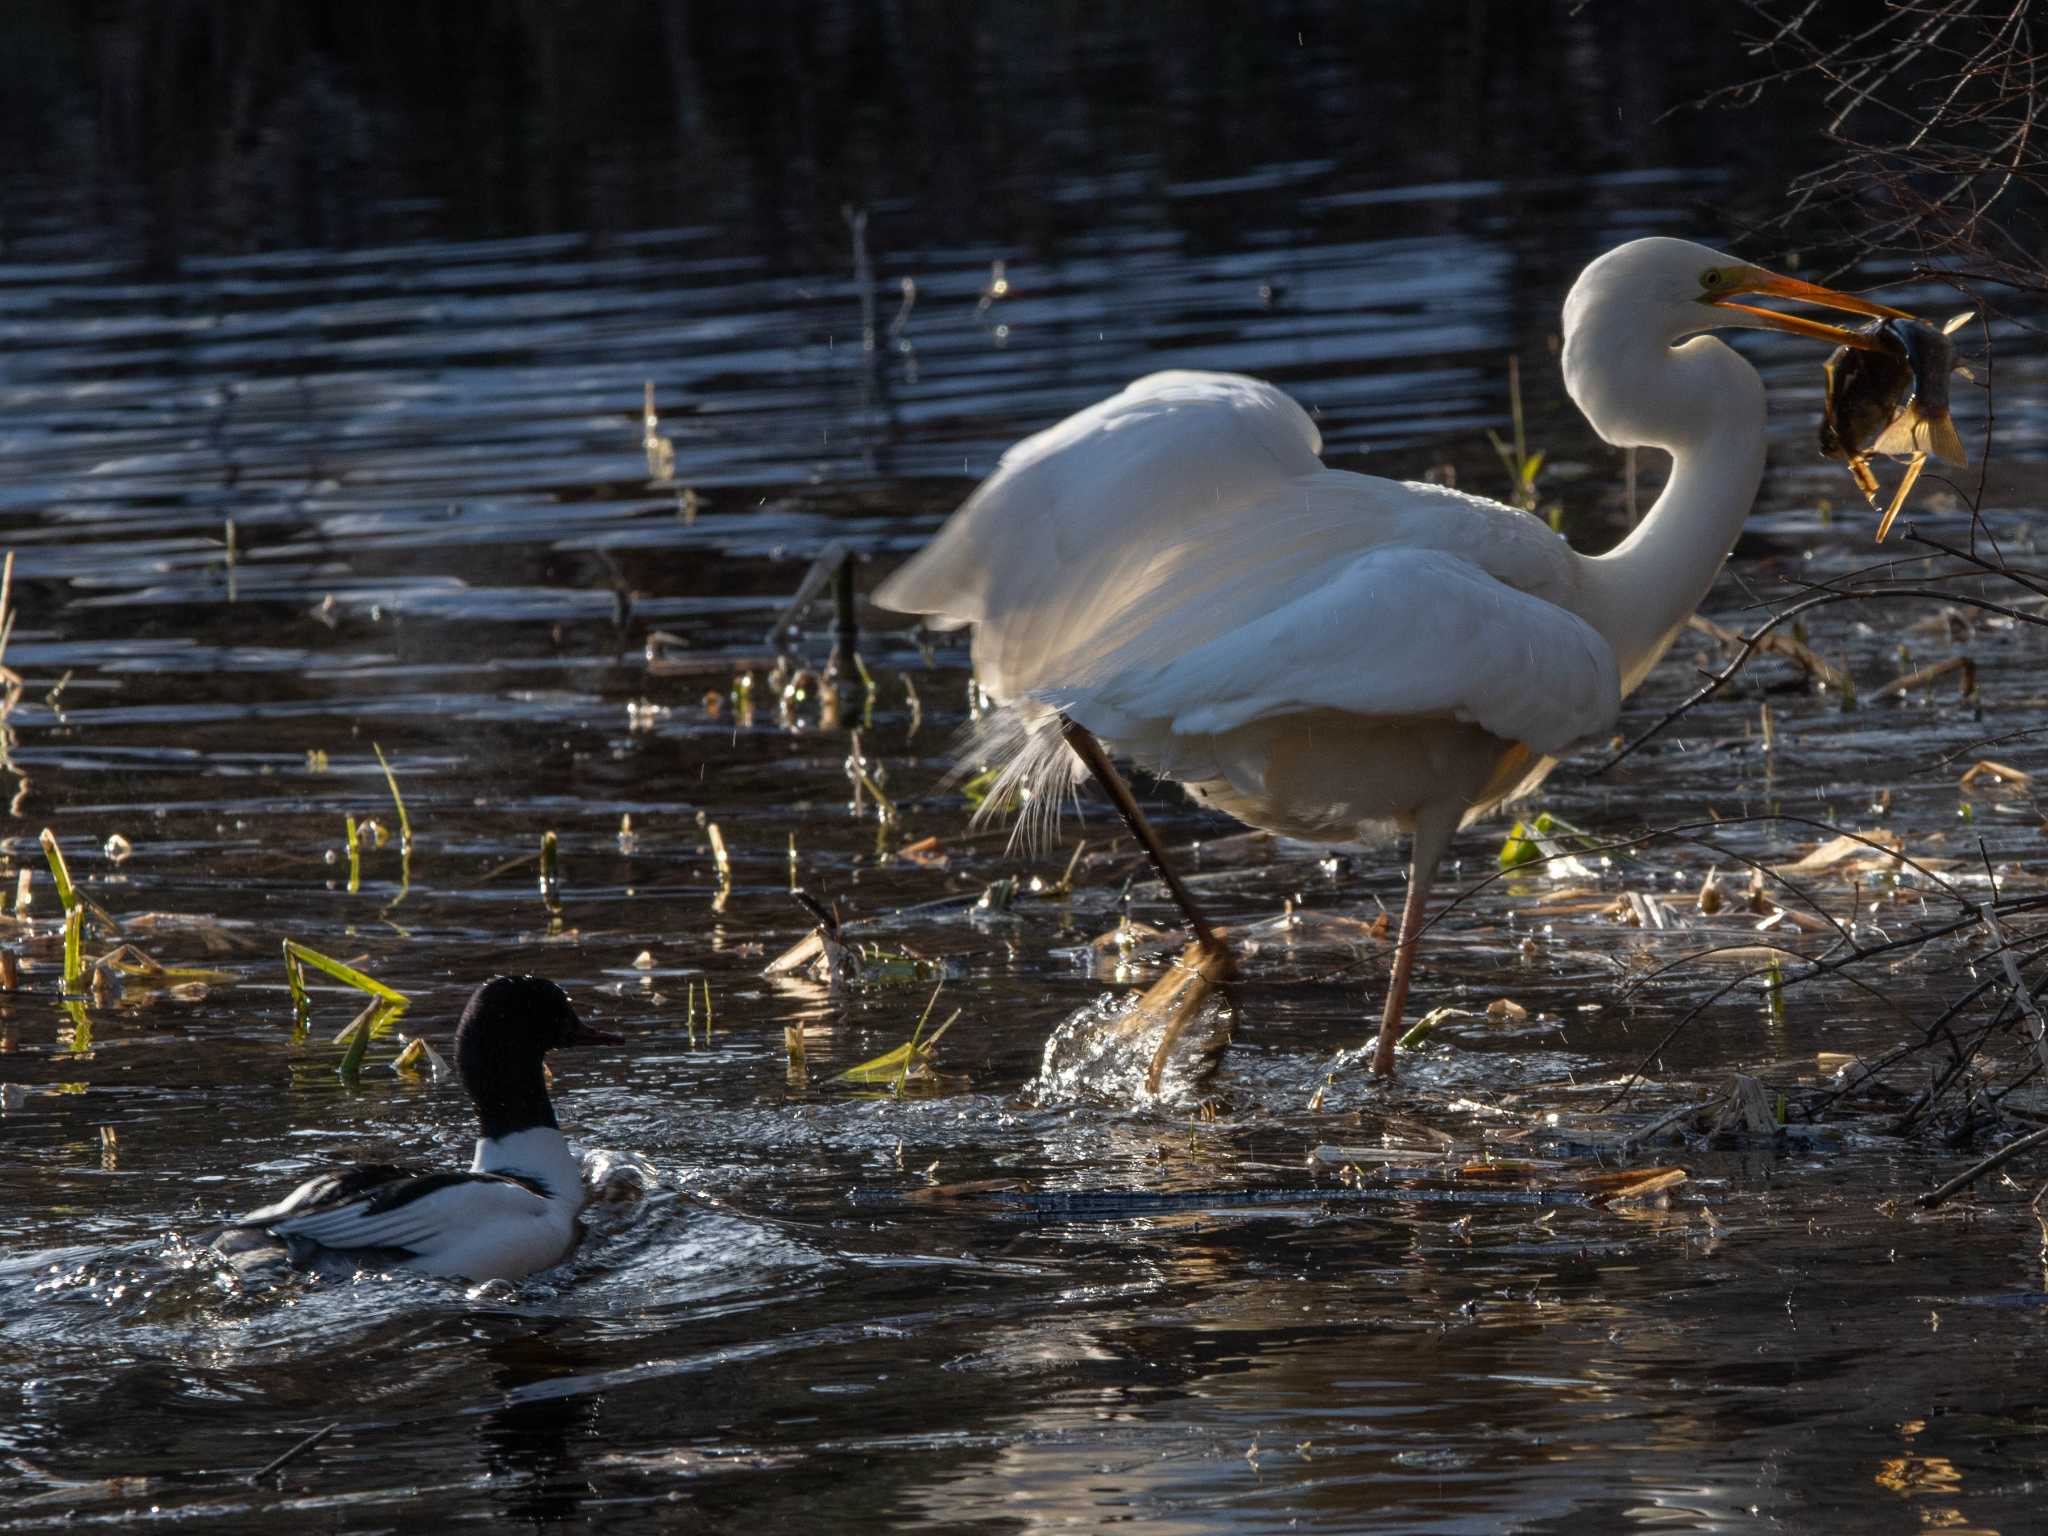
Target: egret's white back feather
x,y
1080,517
1396,632
1176,563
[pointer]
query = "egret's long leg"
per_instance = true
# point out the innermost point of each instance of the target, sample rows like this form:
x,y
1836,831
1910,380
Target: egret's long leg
x,y
1089,750
1427,847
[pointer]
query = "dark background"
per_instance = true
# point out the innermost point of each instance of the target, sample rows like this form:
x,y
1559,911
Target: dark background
x,y
168,129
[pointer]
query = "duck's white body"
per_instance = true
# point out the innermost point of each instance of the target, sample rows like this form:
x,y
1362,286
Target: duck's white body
x,y
512,1212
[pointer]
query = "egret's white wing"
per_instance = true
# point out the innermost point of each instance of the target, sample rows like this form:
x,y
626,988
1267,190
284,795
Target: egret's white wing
x,y
1077,518
1286,548
1392,632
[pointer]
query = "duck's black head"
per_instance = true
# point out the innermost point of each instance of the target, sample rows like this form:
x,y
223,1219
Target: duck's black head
x,y
510,1024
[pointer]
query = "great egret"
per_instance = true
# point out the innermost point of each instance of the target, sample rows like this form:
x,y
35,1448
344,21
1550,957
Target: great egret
x,y
1329,655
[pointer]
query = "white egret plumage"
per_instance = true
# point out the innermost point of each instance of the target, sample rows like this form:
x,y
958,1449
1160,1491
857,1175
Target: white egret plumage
x,y
1330,655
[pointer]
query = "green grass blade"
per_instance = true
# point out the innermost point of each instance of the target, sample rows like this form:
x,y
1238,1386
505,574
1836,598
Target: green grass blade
x,y
67,897
134,973
347,974
886,1069
923,1019
1519,848
74,949
359,1043
893,1068
1425,1026
404,822
302,1011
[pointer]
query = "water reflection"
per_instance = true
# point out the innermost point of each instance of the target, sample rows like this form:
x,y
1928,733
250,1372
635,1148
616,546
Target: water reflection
x,y
534,1443
194,129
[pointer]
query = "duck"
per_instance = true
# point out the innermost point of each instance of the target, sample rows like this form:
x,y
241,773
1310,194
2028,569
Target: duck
x,y
513,1212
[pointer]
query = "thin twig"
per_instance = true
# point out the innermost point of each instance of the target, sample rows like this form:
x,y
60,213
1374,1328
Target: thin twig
x,y
295,1452
1982,1166
1822,598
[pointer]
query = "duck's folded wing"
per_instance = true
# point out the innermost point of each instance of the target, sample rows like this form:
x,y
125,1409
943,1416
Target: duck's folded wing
x,y
410,1212
1066,528
331,1189
1391,633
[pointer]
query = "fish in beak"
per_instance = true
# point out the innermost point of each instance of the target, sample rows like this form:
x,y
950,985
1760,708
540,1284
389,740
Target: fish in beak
x,y
1887,381
1721,286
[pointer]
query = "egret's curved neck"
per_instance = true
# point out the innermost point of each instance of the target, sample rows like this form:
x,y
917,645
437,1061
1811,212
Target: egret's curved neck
x,y
1704,405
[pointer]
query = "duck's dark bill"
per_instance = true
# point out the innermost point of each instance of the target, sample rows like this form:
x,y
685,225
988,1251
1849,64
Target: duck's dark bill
x,y
590,1034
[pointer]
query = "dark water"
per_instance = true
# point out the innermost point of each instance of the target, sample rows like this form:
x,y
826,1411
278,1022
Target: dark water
x,y
409,369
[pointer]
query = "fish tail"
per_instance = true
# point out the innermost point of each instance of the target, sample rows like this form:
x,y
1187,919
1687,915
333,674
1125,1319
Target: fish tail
x,y
1937,432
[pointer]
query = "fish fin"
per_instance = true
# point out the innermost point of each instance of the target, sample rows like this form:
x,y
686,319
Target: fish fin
x,y
1902,438
1955,323
1966,373
1939,436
